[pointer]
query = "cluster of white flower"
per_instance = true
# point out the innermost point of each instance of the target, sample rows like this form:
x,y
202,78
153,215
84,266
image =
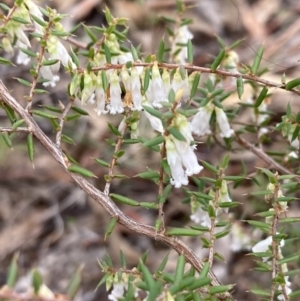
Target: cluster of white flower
x,y
264,246
200,124
105,87
200,216
56,51
16,29
54,48
180,154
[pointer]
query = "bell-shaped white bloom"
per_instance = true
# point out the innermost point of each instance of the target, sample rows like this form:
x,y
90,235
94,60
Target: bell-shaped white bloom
x,y
295,142
100,59
288,291
35,11
179,177
180,122
200,122
263,246
58,51
184,148
17,29
157,87
224,195
231,61
181,38
100,97
180,83
7,45
22,58
149,92
125,57
166,82
116,104
47,73
126,79
262,116
189,159
155,122
222,120
136,89
87,95
201,217
118,291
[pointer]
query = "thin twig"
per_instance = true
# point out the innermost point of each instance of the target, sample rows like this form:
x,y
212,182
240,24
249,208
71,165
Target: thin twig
x,y
213,223
62,120
275,246
76,43
103,199
191,67
115,159
38,66
262,155
7,18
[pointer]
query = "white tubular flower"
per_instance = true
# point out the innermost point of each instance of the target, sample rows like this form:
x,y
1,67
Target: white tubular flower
x,y
125,57
154,121
231,61
223,123
200,122
179,177
189,159
182,37
116,104
184,149
166,82
157,88
201,217
7,46
117,292
17,29
35,11
100,59
181,123
224,195
149,93
46,73
262,116
58,51
263,246
179,83
22,58
136,89
126,79
100,97
288,291
87,95
295,142
119,287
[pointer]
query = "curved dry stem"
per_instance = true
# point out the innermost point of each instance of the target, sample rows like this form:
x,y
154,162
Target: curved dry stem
x,y
179,246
